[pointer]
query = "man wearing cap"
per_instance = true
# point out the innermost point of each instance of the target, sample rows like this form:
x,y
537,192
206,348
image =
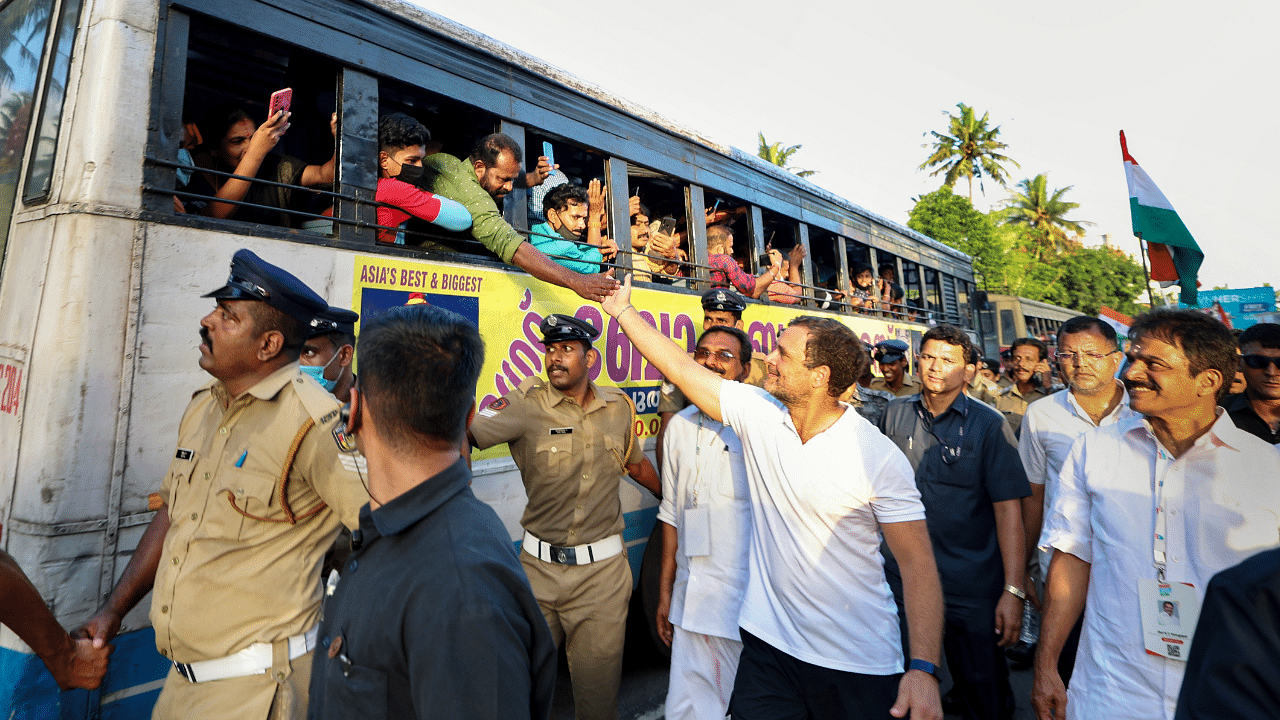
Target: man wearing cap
x,y
572,439
253,497
329,350
1029,380
892,357
719,307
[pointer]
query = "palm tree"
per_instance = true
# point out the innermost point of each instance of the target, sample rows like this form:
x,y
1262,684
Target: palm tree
x,y
969,151
780,156
1044,213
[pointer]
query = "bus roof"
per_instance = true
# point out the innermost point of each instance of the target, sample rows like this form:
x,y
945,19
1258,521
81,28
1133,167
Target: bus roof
x,y
457,32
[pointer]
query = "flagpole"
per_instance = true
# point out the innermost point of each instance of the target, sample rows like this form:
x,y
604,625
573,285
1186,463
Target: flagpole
x,y
1142,251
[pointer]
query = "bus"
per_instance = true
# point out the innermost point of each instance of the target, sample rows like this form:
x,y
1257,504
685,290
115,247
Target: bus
x,y
1006,318
102,273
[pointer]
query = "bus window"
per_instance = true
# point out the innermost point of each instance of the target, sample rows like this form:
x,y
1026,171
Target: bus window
x,y
40,171
23,26
658,257
1008,331
227,92
577,166
780,233
963,307
933,295
824,247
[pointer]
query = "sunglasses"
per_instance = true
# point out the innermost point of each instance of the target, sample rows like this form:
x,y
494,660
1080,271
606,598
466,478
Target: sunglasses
x,y
1260,362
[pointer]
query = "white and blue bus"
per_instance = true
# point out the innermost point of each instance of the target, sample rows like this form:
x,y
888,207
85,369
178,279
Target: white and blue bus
x,y
101,278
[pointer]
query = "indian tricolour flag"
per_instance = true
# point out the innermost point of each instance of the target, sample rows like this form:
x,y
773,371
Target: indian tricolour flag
x,y
1175,256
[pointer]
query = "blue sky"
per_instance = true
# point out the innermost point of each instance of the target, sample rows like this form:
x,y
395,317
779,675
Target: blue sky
x,y
860,84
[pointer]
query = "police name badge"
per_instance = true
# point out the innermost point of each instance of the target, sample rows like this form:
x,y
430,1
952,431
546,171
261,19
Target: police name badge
x,y
1169,615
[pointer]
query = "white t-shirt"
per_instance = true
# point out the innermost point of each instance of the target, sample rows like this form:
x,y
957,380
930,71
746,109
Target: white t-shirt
x,y
702,467
816,588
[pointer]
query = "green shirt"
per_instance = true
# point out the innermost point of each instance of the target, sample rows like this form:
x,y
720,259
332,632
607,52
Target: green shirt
x,y
456,180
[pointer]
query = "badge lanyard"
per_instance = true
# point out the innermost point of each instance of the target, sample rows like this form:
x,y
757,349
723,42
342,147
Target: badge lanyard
x,y
697,461
1159,543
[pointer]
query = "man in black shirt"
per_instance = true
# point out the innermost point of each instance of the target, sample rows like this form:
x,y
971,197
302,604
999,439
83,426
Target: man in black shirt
x,y
433,617
1257,409
971,482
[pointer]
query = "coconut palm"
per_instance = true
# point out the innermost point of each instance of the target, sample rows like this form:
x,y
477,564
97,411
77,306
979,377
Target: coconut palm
x,y
969,151
1044,213
780,156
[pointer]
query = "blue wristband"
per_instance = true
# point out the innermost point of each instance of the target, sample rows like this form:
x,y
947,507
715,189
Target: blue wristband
x,y
923,665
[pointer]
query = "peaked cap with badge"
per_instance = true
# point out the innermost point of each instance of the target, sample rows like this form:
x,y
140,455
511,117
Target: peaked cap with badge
x,y
334,319
253,278
723,301
562,328
890,351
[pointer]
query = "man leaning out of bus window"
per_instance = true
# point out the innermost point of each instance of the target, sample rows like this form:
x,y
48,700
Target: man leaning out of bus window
x,y
402,144
233,145
483,180
571,234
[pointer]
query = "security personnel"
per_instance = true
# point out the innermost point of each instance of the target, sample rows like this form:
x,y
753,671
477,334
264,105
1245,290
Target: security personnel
x,y
719,307
329,350
572,439
256,490
892,357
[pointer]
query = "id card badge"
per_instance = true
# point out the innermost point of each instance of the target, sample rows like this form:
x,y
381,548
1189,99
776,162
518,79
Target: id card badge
x,y
1169,615
697,532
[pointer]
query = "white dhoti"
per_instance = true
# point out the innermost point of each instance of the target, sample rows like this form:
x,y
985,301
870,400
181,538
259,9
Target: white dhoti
x,y
702,672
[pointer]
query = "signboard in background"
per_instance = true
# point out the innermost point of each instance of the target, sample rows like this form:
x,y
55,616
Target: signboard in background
x,y
1239,307
508,307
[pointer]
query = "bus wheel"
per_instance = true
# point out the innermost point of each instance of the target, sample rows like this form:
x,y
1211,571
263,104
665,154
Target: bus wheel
x,y
650,576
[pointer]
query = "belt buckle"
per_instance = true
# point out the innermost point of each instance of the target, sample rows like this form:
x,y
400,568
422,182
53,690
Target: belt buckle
x,y
564,555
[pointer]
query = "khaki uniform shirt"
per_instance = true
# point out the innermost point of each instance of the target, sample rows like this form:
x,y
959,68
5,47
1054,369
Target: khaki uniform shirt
x,y
983,389
671,398
1013,404
570,457
910,386
227,581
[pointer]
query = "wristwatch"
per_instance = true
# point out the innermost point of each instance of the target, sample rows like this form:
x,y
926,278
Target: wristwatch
x,y
925,666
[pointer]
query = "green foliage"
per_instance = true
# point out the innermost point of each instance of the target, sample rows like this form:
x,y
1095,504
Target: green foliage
x,y
969,151
1010,258
781,156
1044,213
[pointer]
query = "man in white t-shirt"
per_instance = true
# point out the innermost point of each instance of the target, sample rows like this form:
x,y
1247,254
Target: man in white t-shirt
x,y
706,526
818,622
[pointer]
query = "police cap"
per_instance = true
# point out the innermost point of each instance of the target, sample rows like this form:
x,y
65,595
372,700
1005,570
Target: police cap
x,y
334,319
723,301
890,351
253,278
559,328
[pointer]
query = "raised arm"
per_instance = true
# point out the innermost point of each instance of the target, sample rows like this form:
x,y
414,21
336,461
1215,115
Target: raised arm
x,y
313,175
700,385
589,287
260,143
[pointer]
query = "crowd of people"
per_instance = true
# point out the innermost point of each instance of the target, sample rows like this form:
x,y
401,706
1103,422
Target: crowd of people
x,y
232,172
828,537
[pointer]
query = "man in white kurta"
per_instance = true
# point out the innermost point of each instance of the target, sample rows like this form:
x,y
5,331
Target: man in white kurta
x,y
706,518
1182,467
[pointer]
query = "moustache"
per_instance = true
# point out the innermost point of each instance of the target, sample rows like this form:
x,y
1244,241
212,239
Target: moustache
x,y
561,368
1131,385
204,336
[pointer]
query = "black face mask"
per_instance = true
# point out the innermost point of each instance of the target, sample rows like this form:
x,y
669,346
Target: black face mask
x,y
411,174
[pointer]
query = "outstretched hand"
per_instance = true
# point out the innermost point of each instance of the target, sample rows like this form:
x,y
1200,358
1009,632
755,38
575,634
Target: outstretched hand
x,y
595,288
619,301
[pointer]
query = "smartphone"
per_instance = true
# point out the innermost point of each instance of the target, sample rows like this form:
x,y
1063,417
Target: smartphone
x,y
765,262
668,225
546,150
280,100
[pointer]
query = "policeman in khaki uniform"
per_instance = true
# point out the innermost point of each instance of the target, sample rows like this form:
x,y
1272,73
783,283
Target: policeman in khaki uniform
x,y
254,496
892,357
572,440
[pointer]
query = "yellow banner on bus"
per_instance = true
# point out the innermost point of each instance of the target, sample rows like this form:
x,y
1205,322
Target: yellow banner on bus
x,y
508,307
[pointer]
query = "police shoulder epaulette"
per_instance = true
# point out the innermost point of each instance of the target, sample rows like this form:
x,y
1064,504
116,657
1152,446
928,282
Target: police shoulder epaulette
x,y
320,405
528,384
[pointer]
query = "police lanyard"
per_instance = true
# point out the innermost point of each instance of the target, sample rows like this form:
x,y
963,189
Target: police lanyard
x,y
1158,542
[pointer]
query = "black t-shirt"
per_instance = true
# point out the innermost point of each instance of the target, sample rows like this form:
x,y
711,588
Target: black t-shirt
x,y
1245,418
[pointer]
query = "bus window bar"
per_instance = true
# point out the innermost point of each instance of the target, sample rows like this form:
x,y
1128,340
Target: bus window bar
x,y
809,296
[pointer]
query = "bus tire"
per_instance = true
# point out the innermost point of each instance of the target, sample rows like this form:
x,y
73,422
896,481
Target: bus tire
x,y
650,579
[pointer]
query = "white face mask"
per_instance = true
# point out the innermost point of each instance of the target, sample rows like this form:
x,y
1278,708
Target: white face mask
x,y
317,372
